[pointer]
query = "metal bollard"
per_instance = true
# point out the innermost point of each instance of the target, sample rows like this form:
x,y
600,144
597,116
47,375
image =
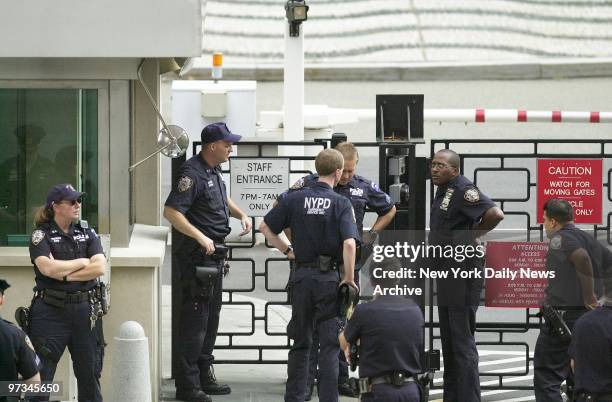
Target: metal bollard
x,y
131,377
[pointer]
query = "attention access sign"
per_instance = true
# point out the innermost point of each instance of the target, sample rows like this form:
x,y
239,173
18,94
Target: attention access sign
x,y
578,181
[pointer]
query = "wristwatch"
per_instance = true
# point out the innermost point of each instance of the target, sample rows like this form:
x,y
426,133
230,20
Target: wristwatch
x,y
289,248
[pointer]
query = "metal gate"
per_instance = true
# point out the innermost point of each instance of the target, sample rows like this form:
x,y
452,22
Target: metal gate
x,y
475,164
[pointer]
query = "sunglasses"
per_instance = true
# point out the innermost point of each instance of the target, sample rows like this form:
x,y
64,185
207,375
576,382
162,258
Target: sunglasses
x,y
73,202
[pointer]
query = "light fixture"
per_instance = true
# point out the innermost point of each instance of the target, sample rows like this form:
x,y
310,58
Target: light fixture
x,y
297,12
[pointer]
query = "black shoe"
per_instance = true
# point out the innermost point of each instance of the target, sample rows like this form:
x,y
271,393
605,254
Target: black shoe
x,y
192,395
209,384
309,391
345,389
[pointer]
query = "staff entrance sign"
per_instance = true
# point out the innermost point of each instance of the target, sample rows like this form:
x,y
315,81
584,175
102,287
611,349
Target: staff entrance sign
x,y
256,183
578,181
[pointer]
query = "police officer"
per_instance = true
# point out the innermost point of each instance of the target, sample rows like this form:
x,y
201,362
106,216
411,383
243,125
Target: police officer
x,y
390,334
66,310
323,229
591,352
575,258
460,214
362,193
199,208
17,357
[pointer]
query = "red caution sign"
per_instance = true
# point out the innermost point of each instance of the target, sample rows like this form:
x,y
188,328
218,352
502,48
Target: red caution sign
x,y
515,274
579,181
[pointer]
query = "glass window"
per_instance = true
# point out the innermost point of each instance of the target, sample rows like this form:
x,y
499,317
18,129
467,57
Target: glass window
x,y
49,136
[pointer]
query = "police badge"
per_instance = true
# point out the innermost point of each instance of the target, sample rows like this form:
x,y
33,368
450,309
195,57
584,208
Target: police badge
x,y
471,195
298,184
37,237
555,242
184,183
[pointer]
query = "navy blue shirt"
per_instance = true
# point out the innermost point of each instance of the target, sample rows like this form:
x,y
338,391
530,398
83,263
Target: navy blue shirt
x,y
200,195
456,208
79,242
361,191
320,221
591,348
17,354
564,289
390,330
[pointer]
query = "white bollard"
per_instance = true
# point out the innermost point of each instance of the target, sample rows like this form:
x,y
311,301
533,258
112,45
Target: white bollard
x,y
131,379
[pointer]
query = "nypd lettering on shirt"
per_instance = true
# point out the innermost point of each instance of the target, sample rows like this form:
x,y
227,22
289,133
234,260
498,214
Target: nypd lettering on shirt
x,y
316,205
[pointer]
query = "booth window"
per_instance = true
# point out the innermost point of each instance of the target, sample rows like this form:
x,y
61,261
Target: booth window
x,y
49,136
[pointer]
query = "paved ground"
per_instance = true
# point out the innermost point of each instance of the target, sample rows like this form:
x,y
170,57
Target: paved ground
x,y
256,382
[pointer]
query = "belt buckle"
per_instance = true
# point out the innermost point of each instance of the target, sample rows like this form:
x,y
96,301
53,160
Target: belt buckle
x,y
398,379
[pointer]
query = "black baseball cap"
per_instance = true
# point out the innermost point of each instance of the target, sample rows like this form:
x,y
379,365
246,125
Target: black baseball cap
x,y
61,192
218,131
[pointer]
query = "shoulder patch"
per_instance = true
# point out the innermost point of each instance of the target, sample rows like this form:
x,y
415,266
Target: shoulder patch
x,y
37,236
298,184
84,224
29,343
471,195
555,242
375,187
184,183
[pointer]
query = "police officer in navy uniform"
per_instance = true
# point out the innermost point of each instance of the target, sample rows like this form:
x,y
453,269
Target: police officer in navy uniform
x,y
389,330
324,235
460,214
576,259
199,208
591,350
17,356
362,193
68,260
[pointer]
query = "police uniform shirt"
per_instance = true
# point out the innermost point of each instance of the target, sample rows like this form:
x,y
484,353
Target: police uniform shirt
x,y
564,289
79,242
361,191
200,195
17,354
456,208
320,221
591,348
390,330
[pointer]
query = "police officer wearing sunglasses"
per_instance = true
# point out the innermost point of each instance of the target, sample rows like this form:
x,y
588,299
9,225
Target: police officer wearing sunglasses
x,y
66,310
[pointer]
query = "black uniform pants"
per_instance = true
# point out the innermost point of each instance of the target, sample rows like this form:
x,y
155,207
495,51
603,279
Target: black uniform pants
x,y
198,326
551,364
457,305
408,392
53,328
343,368
314,305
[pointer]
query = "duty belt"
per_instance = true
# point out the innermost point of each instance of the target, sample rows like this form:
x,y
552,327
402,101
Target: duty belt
x,y
307,264
396,378
74,297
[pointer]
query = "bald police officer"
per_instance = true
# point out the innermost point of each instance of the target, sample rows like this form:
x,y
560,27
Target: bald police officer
x,y
390,334
460,214
17,356
324,236
199,208
363,193
575,258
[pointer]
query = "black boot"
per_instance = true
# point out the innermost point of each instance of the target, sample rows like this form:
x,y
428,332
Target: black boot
x,y
209,384
192,395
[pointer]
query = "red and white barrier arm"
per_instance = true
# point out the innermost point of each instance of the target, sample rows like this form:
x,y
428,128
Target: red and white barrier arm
x,y
504,116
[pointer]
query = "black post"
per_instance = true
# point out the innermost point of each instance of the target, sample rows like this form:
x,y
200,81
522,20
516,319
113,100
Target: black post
x,y
176,288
